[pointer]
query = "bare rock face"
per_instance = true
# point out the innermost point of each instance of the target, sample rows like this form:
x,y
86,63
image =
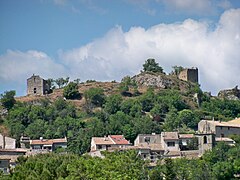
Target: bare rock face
x,y
231,94
147,79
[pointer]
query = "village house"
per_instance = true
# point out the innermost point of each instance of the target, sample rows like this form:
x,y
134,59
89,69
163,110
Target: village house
x,y
8,158
210,132
7,142
4,165
167,144
220,128
9,153
109,142
39,145
149,146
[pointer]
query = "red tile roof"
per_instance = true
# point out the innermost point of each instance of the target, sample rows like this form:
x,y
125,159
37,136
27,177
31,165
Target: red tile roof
x,y
111,139
119,139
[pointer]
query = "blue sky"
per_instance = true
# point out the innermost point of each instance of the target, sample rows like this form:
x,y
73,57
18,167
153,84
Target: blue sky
x,y
109,39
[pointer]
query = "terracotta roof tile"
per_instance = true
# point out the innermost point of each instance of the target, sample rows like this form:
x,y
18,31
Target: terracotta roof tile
x,y
170,135
102,140
152,146
119,139
47,141
232,123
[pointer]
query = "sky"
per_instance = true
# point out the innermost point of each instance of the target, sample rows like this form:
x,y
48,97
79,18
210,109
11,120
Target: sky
x,y
106,40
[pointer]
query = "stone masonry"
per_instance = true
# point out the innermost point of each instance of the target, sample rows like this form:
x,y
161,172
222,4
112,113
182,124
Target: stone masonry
x,y
37,86
189,74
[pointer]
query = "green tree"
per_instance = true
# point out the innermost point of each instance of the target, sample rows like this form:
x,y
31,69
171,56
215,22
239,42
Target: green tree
x,y
170,122
126,84
113,103
152,66
223,170
177,69
77,80
169,169
147,100
95,96
60,82
50,82
7,99
71,91
36,129
188,118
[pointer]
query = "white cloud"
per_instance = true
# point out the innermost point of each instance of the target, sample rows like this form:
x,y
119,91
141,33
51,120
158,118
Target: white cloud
x,y
17,66
190,43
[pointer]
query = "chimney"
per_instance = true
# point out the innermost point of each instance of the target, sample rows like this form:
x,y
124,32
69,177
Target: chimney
x,y
41,138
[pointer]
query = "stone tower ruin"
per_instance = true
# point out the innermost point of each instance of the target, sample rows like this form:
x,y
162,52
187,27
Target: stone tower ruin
x,y
37,86
189,74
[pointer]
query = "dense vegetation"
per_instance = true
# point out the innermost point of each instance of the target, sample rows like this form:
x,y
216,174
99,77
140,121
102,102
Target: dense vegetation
x,y
222,163
152,111
126,112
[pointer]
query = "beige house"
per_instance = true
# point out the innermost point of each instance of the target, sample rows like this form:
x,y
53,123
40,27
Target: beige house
x,y
149,146
41,144
8,158
170,141
210,132
4,165
109,143
167,144
220,128
7,142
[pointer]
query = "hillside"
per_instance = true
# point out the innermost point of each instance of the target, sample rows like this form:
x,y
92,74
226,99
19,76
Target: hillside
x,y
158,81
145,103
108,87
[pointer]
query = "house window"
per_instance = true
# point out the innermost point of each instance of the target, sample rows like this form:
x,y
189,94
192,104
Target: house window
x,y
228,128
147,139
170,144
205,140
222,135
35,90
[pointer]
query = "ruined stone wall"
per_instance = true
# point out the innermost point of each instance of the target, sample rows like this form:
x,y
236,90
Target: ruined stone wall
x,y
183,75
37,86
189,75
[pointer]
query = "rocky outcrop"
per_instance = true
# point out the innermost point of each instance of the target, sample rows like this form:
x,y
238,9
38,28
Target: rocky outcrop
x,y
154,80
231,94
